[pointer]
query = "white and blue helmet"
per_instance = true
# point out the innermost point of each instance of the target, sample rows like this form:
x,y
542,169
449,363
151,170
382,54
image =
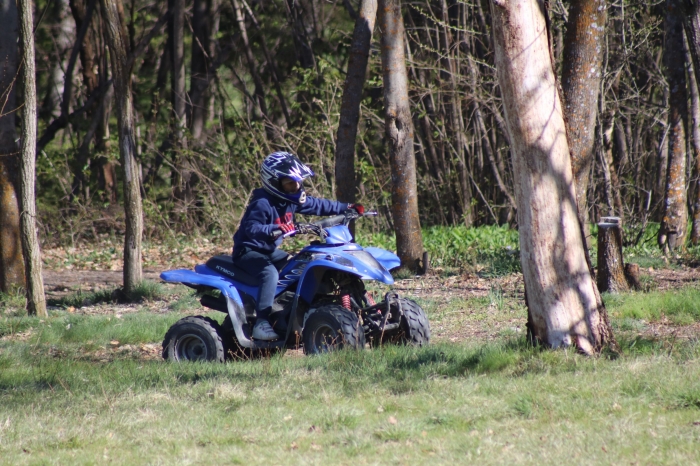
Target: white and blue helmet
x,y
283,164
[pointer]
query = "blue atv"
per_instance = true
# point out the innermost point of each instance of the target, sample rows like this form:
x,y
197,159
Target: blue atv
x,y
321,303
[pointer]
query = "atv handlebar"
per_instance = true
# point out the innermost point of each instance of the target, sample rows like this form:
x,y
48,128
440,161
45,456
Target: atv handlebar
x,y
343,219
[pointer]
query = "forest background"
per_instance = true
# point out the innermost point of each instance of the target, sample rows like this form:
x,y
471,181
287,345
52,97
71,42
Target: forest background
x,y
265,76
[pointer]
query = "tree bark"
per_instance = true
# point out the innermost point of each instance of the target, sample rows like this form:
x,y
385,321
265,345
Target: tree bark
x,y
691,14
675,217
352,97
11,263
564,306
399,132
36,301
177,81
118,46
581,77
692,32
202,20
611,268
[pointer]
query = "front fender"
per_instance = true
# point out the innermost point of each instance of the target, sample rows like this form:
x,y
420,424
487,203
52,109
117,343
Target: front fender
x,y
388,259
314,271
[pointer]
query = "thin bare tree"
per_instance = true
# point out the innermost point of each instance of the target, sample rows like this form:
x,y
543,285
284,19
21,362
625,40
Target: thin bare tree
x,y
398,125
11,263
36,300
117,39
675,214
350,106
564,306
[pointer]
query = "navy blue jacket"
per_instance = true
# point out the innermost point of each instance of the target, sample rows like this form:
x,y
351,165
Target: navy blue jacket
x,y
266,212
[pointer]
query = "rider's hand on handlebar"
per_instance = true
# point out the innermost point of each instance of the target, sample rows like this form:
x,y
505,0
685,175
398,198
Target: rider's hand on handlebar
x,y
287,228
359,208
308,229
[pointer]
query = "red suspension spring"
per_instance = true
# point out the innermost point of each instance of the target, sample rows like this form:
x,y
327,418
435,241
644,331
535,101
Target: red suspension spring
x,y
346,302
370,299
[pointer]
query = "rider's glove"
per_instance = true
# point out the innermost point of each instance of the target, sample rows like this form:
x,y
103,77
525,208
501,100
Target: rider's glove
x,y
287,228
359,208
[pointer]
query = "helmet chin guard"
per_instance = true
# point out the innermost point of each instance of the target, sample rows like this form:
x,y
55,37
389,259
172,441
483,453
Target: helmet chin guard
x,y
279,165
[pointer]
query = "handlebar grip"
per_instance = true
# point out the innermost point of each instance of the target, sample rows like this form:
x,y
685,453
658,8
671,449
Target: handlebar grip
x,y
277,233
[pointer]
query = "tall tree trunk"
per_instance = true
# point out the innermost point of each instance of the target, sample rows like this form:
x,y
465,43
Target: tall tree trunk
x,y
199,78
177,81
675,217
63,35
118,46
691,15
350,106
581,77
36,301
695,131
692,31
399,132
11,264
564,306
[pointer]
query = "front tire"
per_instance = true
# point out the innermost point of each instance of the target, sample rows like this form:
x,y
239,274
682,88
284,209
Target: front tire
x,y
414,328
330,328
194,338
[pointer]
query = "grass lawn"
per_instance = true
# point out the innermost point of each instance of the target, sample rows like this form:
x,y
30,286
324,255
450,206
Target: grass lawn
x,y
65,400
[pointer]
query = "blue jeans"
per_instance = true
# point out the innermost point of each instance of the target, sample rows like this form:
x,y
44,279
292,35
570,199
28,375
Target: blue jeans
x,y
264,267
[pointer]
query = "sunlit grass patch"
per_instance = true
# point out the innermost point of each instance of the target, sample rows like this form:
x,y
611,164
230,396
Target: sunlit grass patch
x,y
681,306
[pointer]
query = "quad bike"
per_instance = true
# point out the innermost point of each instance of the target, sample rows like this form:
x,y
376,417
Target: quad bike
x,y
321,303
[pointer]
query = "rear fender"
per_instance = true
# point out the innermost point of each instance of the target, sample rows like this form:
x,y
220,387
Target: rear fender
x,y
234,303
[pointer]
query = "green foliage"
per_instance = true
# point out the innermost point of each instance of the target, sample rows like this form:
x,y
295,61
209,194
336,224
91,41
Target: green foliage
x,y
491,250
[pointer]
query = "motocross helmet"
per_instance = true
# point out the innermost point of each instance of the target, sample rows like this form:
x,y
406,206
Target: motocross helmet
x,y
283,164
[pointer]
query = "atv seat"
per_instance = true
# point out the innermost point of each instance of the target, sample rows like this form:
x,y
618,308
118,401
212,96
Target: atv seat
x,y
224,265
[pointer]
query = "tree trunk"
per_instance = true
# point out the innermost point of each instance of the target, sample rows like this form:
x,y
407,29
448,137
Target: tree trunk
x,y
564,306
199,81
352,96
675,217
611,269
692,30
36,301
581,77
177,81
63,35
118,43
691,10
399,132
11,264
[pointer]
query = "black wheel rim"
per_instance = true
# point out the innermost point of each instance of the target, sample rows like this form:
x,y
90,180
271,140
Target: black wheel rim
x,y
325,339
191,348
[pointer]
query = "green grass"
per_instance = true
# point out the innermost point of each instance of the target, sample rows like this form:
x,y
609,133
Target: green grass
x,y
680,306
497,404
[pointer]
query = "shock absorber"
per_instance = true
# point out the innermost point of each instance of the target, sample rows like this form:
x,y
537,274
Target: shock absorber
x,y
370,299
346,302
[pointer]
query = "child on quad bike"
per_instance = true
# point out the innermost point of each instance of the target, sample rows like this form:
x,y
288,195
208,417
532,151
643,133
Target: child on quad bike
x,y
269,218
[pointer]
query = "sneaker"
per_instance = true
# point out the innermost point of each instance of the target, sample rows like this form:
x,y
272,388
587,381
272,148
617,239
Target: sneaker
x,y
263,331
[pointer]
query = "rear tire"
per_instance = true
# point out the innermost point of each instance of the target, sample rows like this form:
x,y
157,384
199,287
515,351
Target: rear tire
x,y
194,338
414,328
330,328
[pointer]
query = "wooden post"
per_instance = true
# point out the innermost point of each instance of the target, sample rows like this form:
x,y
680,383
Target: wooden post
x,y
611,270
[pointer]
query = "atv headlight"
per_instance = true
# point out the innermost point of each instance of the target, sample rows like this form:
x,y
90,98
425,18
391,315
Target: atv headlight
x,y
340,260
367,258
